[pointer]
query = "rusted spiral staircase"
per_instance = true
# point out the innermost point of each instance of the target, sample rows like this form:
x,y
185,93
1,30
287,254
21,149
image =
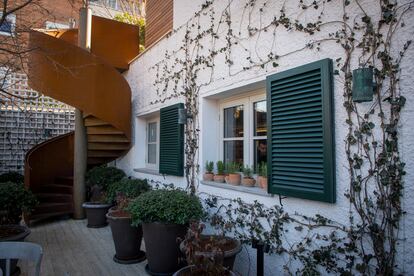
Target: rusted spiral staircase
x,y
92,82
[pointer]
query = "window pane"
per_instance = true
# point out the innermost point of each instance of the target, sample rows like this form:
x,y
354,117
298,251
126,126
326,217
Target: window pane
x,y
152,132
233,151
260,152
6,27
233,122
152,153
260,128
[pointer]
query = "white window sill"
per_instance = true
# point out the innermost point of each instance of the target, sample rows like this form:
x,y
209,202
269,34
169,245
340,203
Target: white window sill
x,y
147,171
239,188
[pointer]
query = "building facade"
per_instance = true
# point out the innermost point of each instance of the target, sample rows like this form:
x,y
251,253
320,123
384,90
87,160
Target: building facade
x,y
249,66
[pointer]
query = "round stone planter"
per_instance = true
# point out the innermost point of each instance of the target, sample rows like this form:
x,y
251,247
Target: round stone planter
x,y
229,253
127,238
96,213
162,248
12,233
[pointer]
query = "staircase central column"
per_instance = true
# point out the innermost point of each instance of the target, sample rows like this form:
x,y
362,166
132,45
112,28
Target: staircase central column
x,y
81,142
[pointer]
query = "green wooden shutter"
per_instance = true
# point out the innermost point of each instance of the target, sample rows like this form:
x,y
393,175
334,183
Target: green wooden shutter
x,y
171,141
301,160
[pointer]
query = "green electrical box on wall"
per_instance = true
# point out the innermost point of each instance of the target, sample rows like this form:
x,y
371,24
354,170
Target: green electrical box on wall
x,y
362,85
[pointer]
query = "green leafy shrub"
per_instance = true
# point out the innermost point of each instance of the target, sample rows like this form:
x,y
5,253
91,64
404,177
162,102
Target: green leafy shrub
x,y
14,177
103,176
220,167
166,206
263,169
209,166
247,171
130,188
233,167
15,199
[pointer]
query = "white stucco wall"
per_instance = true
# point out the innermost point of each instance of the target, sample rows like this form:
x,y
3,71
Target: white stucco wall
x,y
141,80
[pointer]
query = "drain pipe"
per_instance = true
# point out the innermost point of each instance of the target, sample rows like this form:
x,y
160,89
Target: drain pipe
x,y
261,248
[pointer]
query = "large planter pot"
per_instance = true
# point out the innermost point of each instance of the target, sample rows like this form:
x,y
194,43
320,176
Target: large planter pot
x,y
12,233
248,181
262,181
162,248
127,238
192,270
233,179
218,178
232,248
96,213
208,176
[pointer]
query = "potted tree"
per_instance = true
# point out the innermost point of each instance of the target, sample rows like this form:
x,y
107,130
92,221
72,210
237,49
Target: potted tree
x,y
262,178
14,200
127,238
165,215
98,180
233,177
209,175
248,179
208,254
219,177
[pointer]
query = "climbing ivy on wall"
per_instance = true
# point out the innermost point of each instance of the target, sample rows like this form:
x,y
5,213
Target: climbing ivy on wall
x,y
367,33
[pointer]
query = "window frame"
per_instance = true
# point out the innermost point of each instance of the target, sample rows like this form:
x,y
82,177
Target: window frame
x,y
248,138
12,18
157,142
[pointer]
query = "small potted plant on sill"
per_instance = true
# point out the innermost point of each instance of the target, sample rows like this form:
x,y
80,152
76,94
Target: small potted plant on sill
x,y
248,179
219,177
98,180
233,177
165,215
209,175
14,201
262,178
208,254
127,238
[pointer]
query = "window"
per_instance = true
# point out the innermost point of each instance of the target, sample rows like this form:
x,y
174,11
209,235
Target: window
x,y
8,26
113,4
152,144
244,131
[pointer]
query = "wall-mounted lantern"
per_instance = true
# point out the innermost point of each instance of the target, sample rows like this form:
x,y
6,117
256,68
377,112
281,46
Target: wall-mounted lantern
x,y
362,84
183,116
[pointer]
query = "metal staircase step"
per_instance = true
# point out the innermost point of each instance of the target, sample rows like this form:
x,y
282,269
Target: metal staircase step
x,y
103,153
52,207
54,197
102,130
55,189
107,146
107,138
93,121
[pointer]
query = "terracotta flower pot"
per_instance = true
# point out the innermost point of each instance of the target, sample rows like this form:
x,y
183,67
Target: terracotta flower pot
x,y
208,176
233,179
96,213
248,181
12,233
162,249
262,181
218,178
127,238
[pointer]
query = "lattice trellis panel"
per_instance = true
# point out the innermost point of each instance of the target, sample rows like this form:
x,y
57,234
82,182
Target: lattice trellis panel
x,y
26,120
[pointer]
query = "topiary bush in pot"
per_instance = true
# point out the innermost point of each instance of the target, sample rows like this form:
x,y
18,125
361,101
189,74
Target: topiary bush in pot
x,y
127,238
14,177
98,180
14,200
165,215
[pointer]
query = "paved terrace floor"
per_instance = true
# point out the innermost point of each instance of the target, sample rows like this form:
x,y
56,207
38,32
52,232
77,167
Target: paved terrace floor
x,y
72,249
